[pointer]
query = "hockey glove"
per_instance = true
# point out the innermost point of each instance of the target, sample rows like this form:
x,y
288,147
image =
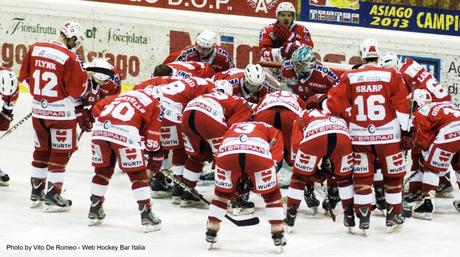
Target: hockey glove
x,y
288,49
315,102
84,118
282,33
407,140
5,119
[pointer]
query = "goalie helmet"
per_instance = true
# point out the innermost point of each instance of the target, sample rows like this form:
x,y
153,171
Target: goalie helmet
x,y
224,86
104,64
254,77
73,29
421,97
389,60
8,82
285,7
206,39
369,48
303,61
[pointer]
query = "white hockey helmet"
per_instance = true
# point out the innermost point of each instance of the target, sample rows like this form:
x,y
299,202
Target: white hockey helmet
x,y
101,63
389,60
8,82
224,86
73,29
285,7
369,48
254,76
206,39
421,97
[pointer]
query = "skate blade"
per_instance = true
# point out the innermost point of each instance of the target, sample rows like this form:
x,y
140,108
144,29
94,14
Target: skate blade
x,y
350,231
242,211
191,204
210,246
314,210
54,208
160,194
176,200
289,229
36,204
394,228
95,222
445,195
151,228
423,215
4,184
364,232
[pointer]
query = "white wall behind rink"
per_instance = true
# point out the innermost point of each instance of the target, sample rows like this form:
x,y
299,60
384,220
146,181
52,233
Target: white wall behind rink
x,y
27,21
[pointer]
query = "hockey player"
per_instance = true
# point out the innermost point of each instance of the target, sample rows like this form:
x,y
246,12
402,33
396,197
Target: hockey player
x,y
379,110
10,92
205,121
318,135
121,122
279,40
184,70
306,76
246,161
204,50
417,77
280,109
248,83
56,77
438,135
101,84
173,98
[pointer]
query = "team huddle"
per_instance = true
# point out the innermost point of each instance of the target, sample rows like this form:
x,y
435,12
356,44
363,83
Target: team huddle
x,y
351,130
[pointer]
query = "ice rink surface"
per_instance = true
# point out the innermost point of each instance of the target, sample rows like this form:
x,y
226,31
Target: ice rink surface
x,y
182,232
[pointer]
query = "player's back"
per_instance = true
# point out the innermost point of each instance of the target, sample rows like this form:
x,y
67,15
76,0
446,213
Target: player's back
x,y
285,99
183,91
191,69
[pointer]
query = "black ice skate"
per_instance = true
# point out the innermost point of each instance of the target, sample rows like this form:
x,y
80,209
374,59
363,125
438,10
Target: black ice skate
x,y
96,213
279,240
54,202
291,214
148,219
334,198
211,238
445,189
189,200
37,196
394,221
457,205
349,218
160,188
209,176
424,209
310,198
241,206
364,215
4,179
176,193
413,197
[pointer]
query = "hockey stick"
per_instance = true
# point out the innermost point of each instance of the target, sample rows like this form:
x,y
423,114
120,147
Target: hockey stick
x,y
240,223
328,202
19,123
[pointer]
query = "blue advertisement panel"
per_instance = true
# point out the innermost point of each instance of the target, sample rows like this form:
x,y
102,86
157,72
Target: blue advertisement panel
x,y
382,16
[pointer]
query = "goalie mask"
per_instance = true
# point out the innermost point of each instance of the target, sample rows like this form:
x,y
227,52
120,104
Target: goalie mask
x,y
254,77
303,61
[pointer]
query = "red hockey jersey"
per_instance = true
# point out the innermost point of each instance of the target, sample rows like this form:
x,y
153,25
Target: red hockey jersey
x,y
127,117
55,76
437,122
191,69
284,99
378,100
219,59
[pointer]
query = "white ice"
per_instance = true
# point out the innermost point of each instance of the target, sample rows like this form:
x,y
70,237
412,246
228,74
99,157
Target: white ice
x,y
182,232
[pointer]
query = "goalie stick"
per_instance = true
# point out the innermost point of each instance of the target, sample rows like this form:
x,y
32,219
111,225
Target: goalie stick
x,y
19,123
240,223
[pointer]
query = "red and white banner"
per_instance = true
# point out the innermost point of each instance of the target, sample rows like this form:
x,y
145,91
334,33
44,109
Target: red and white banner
x,y
253,8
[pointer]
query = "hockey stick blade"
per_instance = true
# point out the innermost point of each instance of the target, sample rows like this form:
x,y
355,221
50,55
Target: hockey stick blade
x,y
241,223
